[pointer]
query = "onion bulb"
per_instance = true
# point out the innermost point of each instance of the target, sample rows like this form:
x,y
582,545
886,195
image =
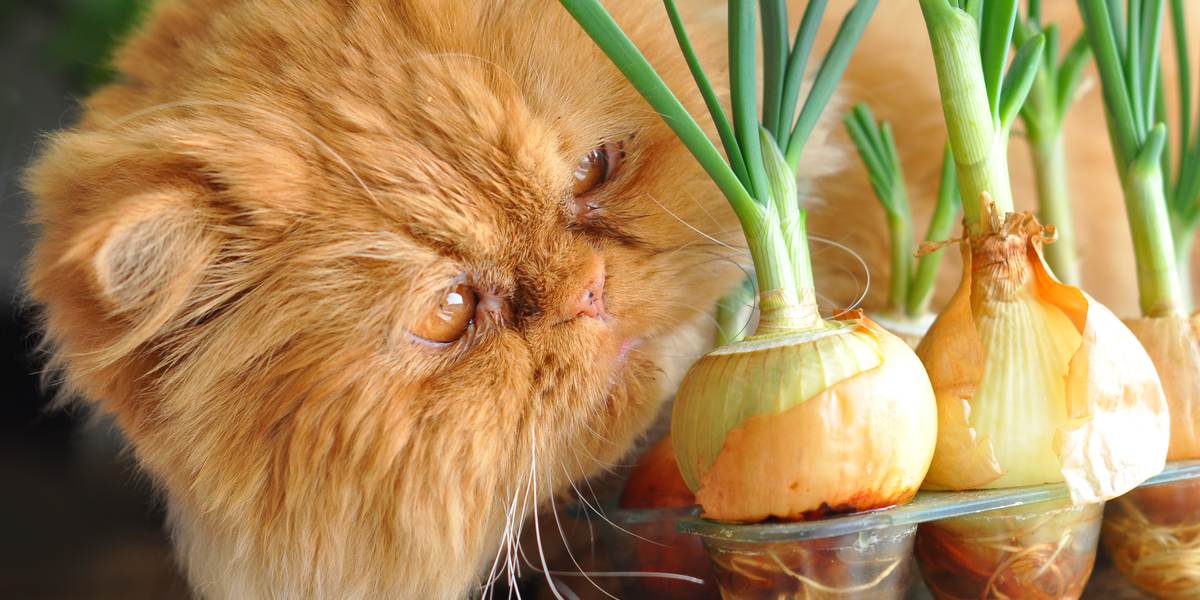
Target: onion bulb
x,y
804,424
1173,343
1036,382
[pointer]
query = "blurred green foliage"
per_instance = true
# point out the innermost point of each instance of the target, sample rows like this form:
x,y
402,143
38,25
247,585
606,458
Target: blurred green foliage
x,y
82,35
88,33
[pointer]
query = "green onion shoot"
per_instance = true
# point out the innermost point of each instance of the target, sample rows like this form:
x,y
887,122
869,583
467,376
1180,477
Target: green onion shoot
x,y
1055,89
911,280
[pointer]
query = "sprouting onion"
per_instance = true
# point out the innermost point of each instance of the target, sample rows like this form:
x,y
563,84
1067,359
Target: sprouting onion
x,y
1055,89
807,415
1036,382
1160,208
912,280
1151,532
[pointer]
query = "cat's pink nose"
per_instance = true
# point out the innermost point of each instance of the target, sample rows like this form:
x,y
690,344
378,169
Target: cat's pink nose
x,y
588,302
591,302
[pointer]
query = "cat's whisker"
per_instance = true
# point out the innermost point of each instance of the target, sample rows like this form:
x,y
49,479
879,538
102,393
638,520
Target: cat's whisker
x,y
515,563
505,542
615,574
642,574
588,482
604,465
587,425
566,591
690,226
665,253
537,528
587,518
713,257
699,245
516,525
849,273
607,468
567,546
488,588
701,206
704,312
485,587
599,511
862,261
707,314
823,299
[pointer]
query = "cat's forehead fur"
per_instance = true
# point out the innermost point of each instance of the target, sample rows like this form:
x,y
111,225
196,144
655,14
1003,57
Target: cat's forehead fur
x,y
450,119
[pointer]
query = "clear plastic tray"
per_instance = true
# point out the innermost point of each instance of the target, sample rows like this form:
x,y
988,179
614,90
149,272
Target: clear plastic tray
x,y
927,506
864,555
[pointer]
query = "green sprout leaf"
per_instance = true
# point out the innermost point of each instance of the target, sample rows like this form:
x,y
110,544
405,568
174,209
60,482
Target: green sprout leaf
x,y
1019,80
1129,62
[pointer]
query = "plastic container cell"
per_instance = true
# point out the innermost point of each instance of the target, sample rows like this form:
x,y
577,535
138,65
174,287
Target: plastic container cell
x,y
1033,552
654,559
875,564
1152,535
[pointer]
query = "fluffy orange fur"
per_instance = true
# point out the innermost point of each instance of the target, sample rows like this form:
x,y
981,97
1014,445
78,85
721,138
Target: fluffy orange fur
x,y
238,236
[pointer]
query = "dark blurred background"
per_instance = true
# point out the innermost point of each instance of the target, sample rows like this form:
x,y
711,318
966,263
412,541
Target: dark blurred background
x,y
76,521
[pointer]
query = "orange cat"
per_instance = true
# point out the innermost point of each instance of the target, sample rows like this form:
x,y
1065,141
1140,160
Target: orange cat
x,y
328,263
364,283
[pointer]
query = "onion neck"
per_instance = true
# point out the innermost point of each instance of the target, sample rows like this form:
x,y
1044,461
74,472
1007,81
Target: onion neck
x,y
1159,284
780,313
901,234
1054,202
980,147
1185,238
1000,268
787,296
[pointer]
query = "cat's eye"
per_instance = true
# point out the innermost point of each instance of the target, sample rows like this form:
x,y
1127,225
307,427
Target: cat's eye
x,y
598,166
451,318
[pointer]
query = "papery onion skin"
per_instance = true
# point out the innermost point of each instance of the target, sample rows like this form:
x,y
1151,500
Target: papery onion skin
x,y
1113,433
1173,343
862,442
1020,403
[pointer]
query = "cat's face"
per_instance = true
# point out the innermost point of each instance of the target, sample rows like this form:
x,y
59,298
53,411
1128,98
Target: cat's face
x,y
364,283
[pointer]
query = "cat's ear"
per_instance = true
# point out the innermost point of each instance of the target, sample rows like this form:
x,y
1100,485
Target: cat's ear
x,y
124,244
130,271
148,252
